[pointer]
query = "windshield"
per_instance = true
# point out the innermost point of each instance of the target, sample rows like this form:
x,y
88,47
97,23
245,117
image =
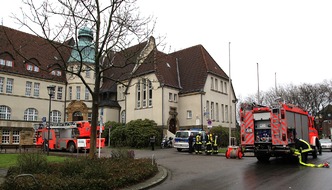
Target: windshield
x,y
182,134
325,140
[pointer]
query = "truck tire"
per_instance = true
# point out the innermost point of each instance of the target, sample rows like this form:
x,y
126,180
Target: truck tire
x,y
314,152
263,158
71,147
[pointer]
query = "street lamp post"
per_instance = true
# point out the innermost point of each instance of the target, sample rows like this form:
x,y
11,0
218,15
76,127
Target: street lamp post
x,y
51,90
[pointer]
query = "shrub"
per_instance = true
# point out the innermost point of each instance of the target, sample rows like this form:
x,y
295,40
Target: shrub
x,y
135,133
84,173
32,162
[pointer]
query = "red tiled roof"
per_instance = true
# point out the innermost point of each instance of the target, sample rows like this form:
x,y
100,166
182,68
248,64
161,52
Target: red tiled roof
x,y
24,48
185,70
194,65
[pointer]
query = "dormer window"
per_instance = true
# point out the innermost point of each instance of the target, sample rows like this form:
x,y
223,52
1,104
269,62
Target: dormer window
x,y
7,63
56,73
32,68
36,69
29,67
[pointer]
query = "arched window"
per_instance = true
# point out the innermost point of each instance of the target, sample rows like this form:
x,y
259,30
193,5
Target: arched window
x,y
55,116
30,114
5,112
123,116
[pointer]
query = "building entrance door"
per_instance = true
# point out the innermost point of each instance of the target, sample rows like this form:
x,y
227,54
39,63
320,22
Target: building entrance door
x,y
77,116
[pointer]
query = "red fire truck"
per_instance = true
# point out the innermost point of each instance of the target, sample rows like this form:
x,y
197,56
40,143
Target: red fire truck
x,y
66,136
271,131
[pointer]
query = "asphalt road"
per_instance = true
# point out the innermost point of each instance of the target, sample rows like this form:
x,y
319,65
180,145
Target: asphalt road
x,y
216,172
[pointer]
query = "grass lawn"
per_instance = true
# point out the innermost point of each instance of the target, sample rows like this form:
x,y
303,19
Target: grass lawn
x,y
7,160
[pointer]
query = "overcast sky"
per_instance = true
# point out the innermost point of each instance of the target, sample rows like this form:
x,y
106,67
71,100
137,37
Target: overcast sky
x,y
291,40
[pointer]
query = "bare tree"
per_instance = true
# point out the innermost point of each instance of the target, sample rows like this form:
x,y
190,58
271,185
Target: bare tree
x,y
116,24
311,97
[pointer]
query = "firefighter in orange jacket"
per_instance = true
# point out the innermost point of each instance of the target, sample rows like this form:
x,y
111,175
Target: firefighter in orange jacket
x,y
198,144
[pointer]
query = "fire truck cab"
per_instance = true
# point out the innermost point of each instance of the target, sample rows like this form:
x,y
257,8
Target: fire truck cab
x,y
65,136
271,131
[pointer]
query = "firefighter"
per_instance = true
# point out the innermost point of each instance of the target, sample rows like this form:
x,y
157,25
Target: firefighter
x,y
214,144
198,144
209,142
301,150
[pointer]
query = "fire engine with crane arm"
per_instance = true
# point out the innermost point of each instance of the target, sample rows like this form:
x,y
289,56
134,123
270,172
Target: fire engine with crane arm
x,y
66,136
270,131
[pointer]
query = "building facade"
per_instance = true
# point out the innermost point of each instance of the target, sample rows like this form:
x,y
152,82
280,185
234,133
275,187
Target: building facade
x,y
184,89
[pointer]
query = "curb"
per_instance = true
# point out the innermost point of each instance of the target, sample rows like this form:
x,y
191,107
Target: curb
x,y
155,180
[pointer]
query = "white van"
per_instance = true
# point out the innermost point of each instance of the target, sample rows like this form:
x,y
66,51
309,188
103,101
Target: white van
x,y
181,139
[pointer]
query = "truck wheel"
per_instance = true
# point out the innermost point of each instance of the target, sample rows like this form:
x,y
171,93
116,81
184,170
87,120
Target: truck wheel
x,y
314,152
179,149
263,158
71,147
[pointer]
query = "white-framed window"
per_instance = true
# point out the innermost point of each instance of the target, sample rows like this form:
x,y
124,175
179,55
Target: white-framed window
x,y
2,62
9,86
53,73
150,94
36,87
225,85
138,94
208,109
58,73
29,67
123,116
78,92
175,97
87,93
59,95
70,91
170,97
16,137
28,86
5,112
2,80
144,93
55,116
5,136
212,83
36,69
212,110
30,114
217,112
9,63
189,114
216,84
222,86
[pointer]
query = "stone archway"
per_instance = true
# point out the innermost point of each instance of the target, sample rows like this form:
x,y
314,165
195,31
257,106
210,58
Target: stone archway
x,y
77,116
77,111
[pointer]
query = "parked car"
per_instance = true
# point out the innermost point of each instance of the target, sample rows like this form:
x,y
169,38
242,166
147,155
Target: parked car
x,y
326,144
